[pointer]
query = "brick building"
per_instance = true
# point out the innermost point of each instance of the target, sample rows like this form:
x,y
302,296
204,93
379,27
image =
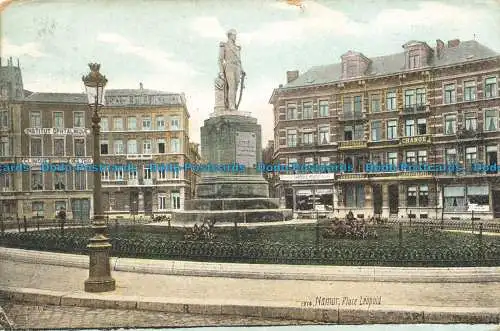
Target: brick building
x,y
425,105
143,127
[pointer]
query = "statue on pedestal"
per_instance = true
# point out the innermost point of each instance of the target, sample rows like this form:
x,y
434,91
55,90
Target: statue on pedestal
x,y
231,75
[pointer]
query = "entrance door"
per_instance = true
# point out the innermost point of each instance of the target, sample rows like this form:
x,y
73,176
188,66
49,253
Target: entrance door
x,y
134,202
289,198
80,209
148,202
496,203
377,199
393,199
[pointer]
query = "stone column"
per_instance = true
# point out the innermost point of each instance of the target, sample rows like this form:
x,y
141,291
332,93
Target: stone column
x,y
335,198
294,199
140,203
181,192
368,208
385,200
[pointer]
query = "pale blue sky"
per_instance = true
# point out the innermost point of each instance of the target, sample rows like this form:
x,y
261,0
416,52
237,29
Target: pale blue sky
x,y
173,45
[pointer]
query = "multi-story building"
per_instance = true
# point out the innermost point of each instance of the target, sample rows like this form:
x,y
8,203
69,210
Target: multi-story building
x,y
425,105
144,127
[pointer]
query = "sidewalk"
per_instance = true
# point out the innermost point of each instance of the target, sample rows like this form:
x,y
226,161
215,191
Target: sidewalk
x,y
326,301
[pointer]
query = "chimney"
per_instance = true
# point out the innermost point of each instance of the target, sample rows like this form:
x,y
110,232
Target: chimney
x,y
453,43
439,48
291,76
141,86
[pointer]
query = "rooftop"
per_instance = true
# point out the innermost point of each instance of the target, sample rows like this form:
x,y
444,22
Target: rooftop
x,y
465,51
78,98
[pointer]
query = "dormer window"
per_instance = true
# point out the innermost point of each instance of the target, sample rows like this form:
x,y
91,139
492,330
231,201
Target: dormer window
x,y
354,65
414,61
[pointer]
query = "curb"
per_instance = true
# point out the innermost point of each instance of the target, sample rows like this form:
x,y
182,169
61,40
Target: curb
x,y
264,271
332,314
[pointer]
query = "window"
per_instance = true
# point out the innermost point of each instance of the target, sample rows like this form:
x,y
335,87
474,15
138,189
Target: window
x,y
348,132
323,108
160,123
376,130
411,157
359,132
58,205
105,174
175,123
58,120
479,195
80,180
78,119
132,123
118,147
307,110
410,128
132,146
451,156
490,87
59,147
119,174
117,123
491,120
324,135
4,118
59,180
132,174
146,123
4,148
409,98
422,157
79,147
36,119
375,103
162,173
5,180
308,138
470,156
176,145
104,124
357,104
104,148
421,96
421,126
37,208
392,158
147,172
176,200
162,202
411,196
391,101
392,129
36,180
470,90
449,94
423,196
491,157
36,146
176,171
413,61
161,146
146,147
450,124
470,122
291,112
291,138
347,105
355,196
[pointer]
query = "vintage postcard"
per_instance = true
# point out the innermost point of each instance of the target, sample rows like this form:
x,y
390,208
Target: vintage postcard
x,y
275,163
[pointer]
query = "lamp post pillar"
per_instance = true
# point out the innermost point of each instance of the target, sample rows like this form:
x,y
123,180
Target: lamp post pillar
x,y
100,279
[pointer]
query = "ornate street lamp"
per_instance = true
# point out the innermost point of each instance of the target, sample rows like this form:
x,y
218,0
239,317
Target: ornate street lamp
x,y
100,279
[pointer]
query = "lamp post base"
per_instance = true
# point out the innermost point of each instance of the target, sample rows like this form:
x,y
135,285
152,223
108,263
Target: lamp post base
x,y
100,285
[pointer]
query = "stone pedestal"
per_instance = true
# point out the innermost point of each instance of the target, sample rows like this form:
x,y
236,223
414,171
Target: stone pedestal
x,y
239,193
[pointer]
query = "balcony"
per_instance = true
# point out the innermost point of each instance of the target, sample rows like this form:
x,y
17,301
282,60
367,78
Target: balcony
x,y
147,182
411,175
352,176
352,144
139,156
351,116
133,182
416,140
470,134
413,109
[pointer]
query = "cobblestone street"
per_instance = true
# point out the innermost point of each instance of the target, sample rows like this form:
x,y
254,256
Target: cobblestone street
x,y
51,317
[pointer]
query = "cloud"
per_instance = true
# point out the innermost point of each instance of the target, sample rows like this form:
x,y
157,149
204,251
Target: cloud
x,y
31,49
208,27
161,59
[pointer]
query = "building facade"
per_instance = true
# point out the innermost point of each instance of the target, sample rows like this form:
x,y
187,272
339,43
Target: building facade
x,y
391,119
143,127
